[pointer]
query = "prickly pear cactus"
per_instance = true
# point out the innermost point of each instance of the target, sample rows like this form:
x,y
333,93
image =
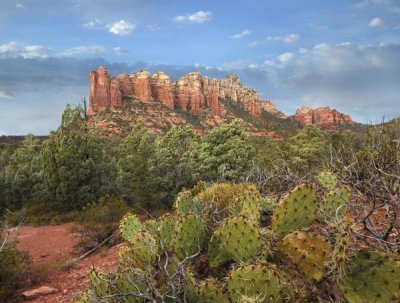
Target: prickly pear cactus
x,y
249,207
241,238
309,251
167,232
217,254
267,204
190,236
254,281
152,227
98,283
374,277
211,290
144,249
131,284
129,226
334,202
296,211
186,204
327,180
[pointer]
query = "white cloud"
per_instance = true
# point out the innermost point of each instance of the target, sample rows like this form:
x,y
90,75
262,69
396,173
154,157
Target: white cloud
x,y
35,52
285,57
94,24
239,36
119,50
21,6
9,50
6,95
121,27
254,43
153,27
287,38
198,17
376,22
83,50
15,50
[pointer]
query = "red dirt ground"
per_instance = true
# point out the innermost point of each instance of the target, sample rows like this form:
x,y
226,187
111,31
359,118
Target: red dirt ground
x,y
52,244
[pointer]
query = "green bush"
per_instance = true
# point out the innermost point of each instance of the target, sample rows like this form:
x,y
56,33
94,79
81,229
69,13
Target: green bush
x,y
14,265
99,220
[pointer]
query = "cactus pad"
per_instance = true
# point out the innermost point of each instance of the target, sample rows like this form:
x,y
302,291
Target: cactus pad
x,y
217,255
310,251
327,180
98,283
374,278
211,291
144,249
167,231
186,204
254,281
129,226
241,238
296,211
190,236
334,201
249,207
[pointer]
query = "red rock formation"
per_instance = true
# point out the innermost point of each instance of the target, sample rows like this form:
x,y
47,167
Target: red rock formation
x,y
189,93
211,93
270,107
99,89
162,89
141,86
115,93
324,117
125,84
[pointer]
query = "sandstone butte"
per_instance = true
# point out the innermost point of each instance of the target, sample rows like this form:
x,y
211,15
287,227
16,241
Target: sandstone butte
x,y
196,95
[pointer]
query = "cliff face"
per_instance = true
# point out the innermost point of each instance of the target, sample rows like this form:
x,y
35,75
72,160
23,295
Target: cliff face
x,y
323,117
158,99
192,93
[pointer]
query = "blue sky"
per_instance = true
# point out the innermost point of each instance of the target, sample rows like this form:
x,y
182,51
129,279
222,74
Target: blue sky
x,y
342,53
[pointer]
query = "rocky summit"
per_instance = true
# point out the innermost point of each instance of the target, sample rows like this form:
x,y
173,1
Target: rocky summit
x,y
116,103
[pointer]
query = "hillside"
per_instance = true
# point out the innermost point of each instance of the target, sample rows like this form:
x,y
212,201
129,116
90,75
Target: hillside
x,y
117,102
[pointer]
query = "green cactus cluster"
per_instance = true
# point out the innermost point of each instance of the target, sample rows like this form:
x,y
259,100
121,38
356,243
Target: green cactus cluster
x,y
327,180
217,248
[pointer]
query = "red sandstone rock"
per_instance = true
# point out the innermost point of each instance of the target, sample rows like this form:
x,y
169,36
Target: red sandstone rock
x,y
99,89
162,89
270,107
125,84
141,86
115,93
211,92
324,117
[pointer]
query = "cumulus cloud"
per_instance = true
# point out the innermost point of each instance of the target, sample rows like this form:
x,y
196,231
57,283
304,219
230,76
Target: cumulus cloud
x,y
6,94
121,28
93,24
15,50
376,22
287,38
198,17
285,57
239,36
21,6
83,50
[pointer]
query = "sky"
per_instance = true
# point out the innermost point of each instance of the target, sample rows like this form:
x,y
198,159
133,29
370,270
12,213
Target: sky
x,y
343,53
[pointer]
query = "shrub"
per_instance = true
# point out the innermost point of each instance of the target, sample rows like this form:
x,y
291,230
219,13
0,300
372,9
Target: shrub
x,y
99,220
14,265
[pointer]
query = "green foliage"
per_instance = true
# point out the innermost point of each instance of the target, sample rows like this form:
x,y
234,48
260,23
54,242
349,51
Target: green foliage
x,y
14,266
297,210
374,278
223,154
74,163
99,220
167,232
186,204
135,181
334,202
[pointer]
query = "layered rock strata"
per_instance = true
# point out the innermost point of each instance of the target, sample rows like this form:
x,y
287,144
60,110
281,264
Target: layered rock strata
x,y
323,117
